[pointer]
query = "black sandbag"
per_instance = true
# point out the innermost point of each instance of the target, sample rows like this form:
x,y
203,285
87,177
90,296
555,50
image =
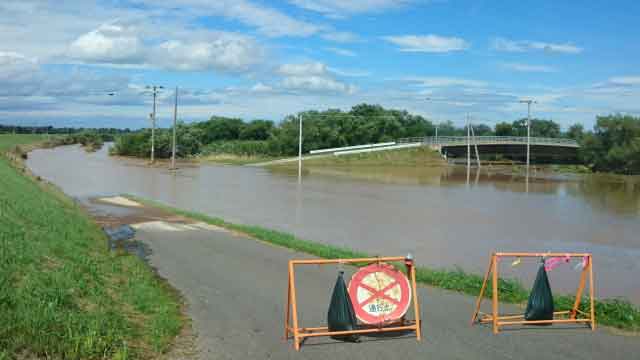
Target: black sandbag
x,y
341,316
540,304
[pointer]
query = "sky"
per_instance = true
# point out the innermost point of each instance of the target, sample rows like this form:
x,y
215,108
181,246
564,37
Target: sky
x,y
442,59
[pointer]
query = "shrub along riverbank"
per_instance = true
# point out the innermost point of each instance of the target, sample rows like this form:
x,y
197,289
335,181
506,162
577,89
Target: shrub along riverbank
x,y
64,294
616,313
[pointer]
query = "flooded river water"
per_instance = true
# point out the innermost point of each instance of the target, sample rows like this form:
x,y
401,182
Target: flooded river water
x,y
444,217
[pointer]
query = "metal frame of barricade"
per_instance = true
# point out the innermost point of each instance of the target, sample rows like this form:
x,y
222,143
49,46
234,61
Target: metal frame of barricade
x,y
573,316
292,330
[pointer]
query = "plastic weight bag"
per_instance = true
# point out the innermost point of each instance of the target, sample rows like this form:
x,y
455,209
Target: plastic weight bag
x,y
341,316
540,304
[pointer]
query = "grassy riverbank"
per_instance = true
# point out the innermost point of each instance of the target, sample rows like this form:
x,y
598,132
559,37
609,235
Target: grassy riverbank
x,y
420,156
64,295
233,159
611,312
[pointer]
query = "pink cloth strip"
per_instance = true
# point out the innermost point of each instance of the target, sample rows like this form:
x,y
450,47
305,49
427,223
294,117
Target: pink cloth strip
x,y
553,262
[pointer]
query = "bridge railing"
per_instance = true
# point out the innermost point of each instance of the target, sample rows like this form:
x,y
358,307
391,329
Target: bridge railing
x,y
489,140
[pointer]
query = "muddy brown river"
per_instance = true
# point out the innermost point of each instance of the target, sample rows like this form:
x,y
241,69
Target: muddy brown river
x,y
444,217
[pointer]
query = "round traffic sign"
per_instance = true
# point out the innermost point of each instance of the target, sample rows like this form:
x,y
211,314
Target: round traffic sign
x,y
379,293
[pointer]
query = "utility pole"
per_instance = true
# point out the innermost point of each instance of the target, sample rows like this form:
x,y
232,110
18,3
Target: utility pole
x,y
437,133
468,143
528,102
154,90
153,136
300,147
175,124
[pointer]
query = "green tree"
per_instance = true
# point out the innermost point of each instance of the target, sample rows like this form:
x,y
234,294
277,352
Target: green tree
x,y
504,129
614,145
256,130
539,128
576,132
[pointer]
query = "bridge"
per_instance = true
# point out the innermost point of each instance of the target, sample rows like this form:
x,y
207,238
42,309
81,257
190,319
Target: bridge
x,y
543,150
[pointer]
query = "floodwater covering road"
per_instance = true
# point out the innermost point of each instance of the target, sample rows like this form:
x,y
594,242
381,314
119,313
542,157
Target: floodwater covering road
x,y
432,213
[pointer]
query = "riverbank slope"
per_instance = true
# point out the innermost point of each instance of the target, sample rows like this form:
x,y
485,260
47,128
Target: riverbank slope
x,y
65,295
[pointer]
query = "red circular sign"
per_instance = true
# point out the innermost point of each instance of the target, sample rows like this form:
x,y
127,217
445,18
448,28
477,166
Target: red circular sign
x,y
379,293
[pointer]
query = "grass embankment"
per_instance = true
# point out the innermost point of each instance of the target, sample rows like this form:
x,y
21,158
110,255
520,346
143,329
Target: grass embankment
x,y
233,159
613,312
420,156
62,293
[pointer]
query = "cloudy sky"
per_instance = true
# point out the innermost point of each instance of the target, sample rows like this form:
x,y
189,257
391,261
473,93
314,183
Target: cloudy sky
x,y
267,59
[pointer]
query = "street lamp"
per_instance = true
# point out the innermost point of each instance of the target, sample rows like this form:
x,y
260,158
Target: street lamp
x,y
528,102
154,90
300,147
175,122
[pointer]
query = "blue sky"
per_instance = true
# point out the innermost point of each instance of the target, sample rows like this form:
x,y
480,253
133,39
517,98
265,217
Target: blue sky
x,y
267,59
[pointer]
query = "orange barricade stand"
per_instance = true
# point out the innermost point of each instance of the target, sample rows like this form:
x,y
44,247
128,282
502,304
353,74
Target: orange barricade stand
x,y
292,330
573,316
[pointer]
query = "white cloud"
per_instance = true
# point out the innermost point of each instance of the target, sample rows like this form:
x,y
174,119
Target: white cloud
x,y
115,43
19,74
625,80
261,88
269,21
428,43
304,69
341,8
445,82
316,83
226,52
349,73
313,77
341,52
529,68
109,43
340,36
502,44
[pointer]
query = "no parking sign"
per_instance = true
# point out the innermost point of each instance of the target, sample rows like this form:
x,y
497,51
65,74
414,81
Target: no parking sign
x,y
379,293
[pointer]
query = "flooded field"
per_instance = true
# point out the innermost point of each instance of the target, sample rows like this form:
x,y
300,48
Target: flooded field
x,y
445,217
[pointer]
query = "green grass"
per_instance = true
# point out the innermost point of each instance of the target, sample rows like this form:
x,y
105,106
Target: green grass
x,y
63,294
420,156
616,313
233,159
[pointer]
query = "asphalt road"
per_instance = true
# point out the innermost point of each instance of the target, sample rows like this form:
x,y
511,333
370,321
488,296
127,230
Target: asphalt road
x,y
236,288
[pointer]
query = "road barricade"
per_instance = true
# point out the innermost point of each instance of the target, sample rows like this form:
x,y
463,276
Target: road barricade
x,y
573,316
381,296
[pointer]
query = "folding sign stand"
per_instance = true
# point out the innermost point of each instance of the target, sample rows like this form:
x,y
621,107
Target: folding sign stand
x,y
573,316
298,334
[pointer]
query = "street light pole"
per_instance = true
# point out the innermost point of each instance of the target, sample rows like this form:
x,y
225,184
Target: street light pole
x,y
155,89
153,136
300,147
468,142
528,102
175,124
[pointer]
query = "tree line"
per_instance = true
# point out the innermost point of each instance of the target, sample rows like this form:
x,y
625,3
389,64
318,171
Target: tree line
x,y
362,124
612,146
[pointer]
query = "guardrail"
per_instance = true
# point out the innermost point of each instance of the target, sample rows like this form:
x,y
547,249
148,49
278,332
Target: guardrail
x,y
489,140
355,147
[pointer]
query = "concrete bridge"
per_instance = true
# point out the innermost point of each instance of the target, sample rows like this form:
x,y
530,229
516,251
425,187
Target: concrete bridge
x,y
543,150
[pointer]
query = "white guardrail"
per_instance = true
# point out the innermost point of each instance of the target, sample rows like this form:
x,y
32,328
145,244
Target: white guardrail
x,y
339,149
399,146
